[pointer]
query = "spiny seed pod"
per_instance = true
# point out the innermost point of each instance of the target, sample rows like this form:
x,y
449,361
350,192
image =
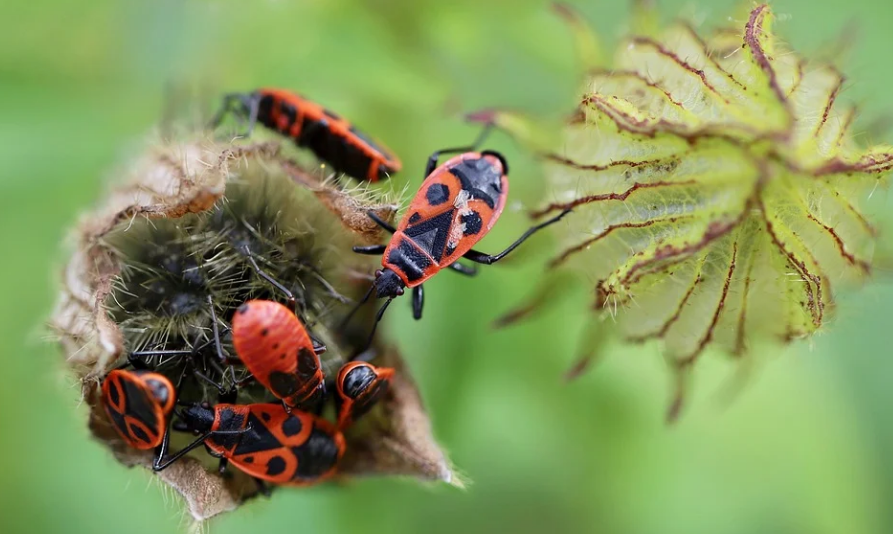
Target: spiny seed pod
x,y
717,188
172,250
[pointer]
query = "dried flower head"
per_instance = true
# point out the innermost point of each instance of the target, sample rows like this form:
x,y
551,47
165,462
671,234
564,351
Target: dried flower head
x,y
171,251
717,187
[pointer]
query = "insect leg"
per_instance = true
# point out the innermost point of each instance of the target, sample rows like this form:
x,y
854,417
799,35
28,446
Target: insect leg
x,y
161,450
380,222
253,106
318,346
260,272
418,301
355,308
226,107
216,330
378,317
372,250
487,259
432,160
262,488
467,270
222,390
159,465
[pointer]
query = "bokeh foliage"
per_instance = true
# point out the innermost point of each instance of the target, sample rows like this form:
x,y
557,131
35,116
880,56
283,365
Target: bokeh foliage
x,y
803,449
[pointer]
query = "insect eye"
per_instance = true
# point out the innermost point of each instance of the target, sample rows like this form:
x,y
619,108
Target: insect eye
x,y
378,273
400,291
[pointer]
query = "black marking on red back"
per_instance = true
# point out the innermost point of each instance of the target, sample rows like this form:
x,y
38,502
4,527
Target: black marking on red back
x,y
287,384
284,384
139,405
437,194
290,112
229,421
480,178
431,235
316,456
366,139
114,393
292,426
275,466
342,152
265,105
308,363
409,260
472,221
258,439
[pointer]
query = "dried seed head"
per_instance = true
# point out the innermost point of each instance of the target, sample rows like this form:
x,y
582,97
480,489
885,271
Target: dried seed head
x,y
184,228
717,188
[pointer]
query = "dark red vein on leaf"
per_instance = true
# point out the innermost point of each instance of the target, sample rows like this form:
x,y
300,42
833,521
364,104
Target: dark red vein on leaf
x,y
815,309
708,336
841,247
657,269
595,167
607,196
752,31
828,106
714,231
703,44
801,64
636,76
852,209
607,231
872,164
742,317
627,123
845,127
676,59
673,318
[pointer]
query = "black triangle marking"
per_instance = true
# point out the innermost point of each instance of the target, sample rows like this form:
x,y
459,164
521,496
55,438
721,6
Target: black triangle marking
x,y
431,235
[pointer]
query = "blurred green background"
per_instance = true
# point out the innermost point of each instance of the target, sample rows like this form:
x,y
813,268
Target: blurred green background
x,y
804,449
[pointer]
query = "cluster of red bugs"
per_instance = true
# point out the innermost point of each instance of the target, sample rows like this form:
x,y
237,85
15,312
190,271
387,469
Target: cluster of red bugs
x,y
289,442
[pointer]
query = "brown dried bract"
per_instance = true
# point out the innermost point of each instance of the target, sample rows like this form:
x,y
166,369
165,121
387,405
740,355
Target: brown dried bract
x,y
170,181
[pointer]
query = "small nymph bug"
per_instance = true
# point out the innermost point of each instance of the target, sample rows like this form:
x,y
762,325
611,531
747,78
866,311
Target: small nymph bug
x,y
139,404
275,347
332,138
456,206
360,385
265,441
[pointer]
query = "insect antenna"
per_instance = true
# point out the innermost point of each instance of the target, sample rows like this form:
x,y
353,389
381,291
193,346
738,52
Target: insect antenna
x,y
378,317
356,308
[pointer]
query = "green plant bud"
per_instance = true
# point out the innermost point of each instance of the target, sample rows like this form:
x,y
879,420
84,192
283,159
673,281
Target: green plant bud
x,y
717,188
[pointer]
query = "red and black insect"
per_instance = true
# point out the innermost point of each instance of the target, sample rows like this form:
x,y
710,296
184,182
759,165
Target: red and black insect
x,y
457,204
275,347
265,441
360,386
139,404
332,138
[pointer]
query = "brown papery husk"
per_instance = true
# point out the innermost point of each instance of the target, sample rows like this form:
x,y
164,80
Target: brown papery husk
x,y
172,179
